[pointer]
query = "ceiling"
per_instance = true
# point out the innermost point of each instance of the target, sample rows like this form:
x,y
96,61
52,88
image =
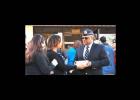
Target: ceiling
x,y
74,29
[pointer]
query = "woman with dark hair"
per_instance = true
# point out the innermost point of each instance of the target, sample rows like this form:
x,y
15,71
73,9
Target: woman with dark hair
x,y
36,60
54,43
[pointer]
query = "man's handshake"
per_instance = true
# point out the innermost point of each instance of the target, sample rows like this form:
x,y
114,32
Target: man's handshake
x,y
82,64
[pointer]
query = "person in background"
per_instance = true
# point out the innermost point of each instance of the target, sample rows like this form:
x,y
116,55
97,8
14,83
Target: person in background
x,y
71,53
114,48
110,69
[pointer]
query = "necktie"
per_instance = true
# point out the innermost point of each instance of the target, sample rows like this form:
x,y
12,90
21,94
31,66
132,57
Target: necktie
x,y
86,52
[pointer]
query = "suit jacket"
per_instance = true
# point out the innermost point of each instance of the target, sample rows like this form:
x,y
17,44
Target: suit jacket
x,y
98,58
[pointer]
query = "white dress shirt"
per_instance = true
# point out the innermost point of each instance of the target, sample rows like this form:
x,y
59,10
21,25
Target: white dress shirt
x,y
90,45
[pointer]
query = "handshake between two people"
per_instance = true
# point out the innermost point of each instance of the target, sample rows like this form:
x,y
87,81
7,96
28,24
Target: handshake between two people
x,y
82,64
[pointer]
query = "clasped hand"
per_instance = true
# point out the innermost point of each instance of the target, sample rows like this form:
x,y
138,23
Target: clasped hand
x,y
82,64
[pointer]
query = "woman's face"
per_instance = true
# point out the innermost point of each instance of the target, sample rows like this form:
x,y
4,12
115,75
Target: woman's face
x,y
59,45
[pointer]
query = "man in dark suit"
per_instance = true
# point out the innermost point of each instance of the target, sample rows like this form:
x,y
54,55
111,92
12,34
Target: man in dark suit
x,y
93,54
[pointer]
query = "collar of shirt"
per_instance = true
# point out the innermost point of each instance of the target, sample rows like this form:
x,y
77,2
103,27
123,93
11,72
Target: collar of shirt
x,y
90,45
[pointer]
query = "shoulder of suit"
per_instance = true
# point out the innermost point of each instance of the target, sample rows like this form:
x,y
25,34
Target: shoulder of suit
x,y
80,47
99,45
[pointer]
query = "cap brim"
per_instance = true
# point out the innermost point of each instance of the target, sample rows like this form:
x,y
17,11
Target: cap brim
x,y
86,35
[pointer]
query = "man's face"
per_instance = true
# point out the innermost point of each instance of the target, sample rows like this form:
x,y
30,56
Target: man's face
x,y
83,41
87,39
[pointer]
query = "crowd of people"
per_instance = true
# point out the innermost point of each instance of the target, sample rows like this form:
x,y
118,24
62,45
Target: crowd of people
x,y
84,57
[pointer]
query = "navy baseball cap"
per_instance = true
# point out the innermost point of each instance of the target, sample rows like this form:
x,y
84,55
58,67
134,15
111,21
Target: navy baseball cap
x,y
87,32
